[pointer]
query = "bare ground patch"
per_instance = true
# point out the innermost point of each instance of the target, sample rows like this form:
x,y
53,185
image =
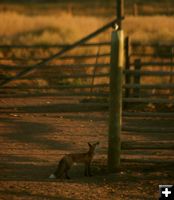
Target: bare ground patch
x,y
32,144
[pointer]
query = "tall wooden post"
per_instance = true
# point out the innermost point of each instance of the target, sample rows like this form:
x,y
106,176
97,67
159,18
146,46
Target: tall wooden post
x,y
115,110
127,66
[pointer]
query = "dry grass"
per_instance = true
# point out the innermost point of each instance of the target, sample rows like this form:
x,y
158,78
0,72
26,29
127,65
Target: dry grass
x,y
156,29
63,28
66,28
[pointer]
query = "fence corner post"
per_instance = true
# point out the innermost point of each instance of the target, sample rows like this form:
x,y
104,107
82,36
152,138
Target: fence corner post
x,y
115,107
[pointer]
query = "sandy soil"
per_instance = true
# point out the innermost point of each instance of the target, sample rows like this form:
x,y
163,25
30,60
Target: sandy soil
x,y
32,142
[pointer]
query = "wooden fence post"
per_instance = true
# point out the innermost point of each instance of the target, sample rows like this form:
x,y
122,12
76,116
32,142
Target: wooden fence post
x,y
137,77
115,109
135,9
127,66
95,67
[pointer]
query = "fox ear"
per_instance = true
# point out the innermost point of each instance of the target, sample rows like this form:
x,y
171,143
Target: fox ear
x,y
89,144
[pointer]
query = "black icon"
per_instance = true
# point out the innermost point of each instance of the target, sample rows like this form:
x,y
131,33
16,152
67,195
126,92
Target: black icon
x,y
166,192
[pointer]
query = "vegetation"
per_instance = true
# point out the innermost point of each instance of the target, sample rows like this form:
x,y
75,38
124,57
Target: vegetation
x,y
19,27
99,7
66,28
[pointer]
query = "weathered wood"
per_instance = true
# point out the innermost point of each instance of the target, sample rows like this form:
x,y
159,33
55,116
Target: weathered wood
x,y
51,75
49,46
149,114
155,64
148,129
120,12
53,93
127,66
148,73
148,100
71,86
147,160
95,68
137,67
156,55
12,67
61,58
115,106
81,107
156,45
150,86
147,145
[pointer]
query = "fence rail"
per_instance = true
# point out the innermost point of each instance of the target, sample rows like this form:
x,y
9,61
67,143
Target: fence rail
x,y
60,53
158,64
56,74
61,58
42,46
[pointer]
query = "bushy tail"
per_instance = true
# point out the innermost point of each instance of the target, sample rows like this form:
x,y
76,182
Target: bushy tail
x,y
52,176
59,171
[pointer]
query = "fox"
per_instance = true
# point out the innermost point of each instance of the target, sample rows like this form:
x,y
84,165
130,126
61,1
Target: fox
x,y
69,160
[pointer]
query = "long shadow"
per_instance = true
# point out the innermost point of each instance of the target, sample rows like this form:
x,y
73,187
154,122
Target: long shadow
x,y
33,132
135,126
54,108
25,168
156,129
27,194
40,172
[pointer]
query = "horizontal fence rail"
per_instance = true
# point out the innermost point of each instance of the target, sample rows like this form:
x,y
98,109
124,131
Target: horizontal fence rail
x,y
150,86
61,76
57,66
106,43
148,73
144,64
61,58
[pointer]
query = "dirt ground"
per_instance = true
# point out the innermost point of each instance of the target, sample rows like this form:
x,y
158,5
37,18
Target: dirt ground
x,y
34,139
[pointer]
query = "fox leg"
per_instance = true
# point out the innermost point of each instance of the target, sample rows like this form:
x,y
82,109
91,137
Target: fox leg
x,y
66,175
68,167
60,169
66,172
87,169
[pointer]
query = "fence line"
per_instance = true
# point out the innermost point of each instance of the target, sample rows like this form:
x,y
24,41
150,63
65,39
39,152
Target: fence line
x,y
148,73
68,76
133,86
133,74
60,53
10,67
105,43
87,86
149,114
144,64
61,58
148,100
150,86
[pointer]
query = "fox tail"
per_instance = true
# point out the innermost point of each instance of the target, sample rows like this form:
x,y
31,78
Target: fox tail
x,y
59,171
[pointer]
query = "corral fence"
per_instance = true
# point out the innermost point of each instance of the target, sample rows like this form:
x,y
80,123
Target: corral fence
x,y
84,72
80,74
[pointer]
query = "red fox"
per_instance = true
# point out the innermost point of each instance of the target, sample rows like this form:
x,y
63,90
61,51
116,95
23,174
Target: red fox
x,y
68,160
